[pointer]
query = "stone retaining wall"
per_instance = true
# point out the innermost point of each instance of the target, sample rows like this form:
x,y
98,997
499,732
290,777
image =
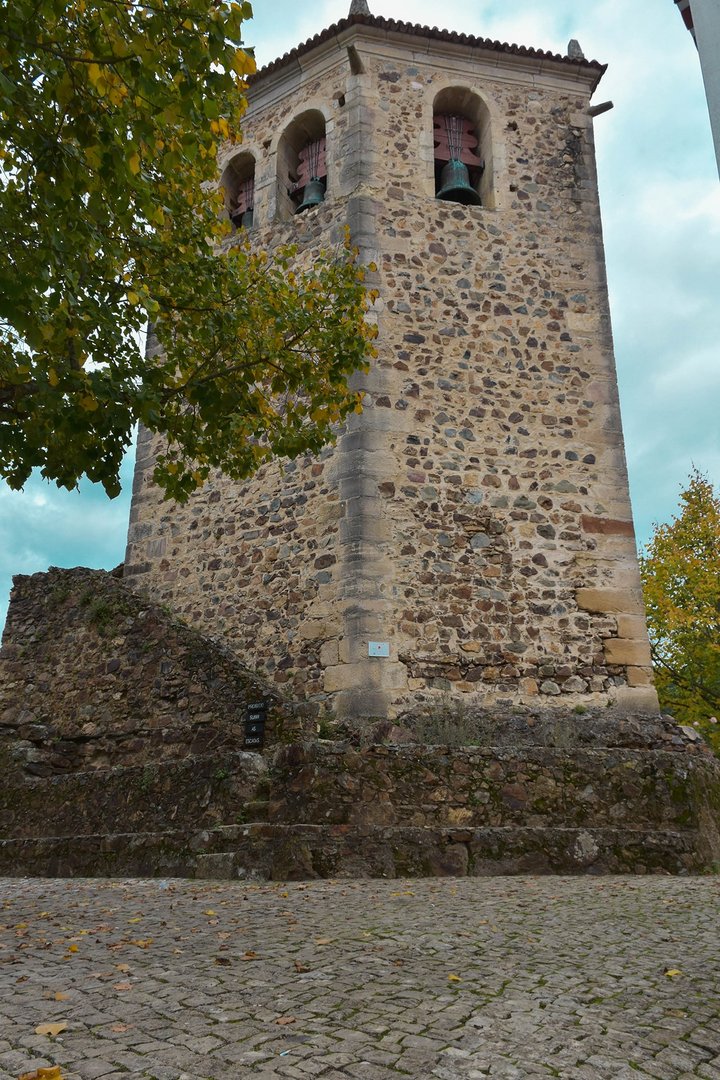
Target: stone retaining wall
x,y
92,676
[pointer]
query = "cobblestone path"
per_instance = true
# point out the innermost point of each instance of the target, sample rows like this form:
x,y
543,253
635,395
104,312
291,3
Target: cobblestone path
x,y
447,979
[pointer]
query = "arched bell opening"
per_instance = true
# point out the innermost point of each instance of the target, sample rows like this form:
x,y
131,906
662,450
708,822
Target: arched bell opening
x,y
302,165
238,183
462,148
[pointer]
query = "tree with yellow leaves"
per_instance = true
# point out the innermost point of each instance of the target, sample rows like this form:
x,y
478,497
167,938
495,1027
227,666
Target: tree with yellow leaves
x,y
111,115
681,582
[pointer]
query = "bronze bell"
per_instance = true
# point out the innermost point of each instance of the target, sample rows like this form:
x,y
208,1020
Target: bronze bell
x,y
313,195
455,184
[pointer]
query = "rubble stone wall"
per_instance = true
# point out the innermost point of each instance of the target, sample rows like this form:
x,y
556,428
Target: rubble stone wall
x,y
92,675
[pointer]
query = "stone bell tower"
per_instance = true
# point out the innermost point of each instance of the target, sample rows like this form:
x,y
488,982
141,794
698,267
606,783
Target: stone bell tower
x,y
469,534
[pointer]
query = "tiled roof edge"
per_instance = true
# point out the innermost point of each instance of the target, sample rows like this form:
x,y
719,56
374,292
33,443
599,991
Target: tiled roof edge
x,y
434,33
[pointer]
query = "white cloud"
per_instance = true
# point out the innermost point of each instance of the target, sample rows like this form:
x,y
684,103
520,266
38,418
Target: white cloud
x,y
43,526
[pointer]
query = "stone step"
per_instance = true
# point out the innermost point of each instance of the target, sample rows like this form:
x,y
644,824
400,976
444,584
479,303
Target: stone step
x,y
500,786
560,728
297,852
381,785
188,793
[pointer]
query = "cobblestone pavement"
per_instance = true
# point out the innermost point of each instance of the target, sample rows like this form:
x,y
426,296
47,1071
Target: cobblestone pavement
x,y
447,979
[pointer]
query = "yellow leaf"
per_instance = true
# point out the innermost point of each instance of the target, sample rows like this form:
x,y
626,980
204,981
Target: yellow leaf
x,y
134,163
59,996
122,967
454,978
50,1029
210,912
133,299
243,63
93,156
94,73
672,973
52,1072
89,403
74,948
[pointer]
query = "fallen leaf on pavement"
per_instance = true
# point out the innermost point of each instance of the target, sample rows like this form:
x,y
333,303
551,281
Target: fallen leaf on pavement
x,y
50,1029
300,967
121,1027
222,960
454,978
672,973
51,1073
59,996
323,941
286,1020
250,955
122,967
122,986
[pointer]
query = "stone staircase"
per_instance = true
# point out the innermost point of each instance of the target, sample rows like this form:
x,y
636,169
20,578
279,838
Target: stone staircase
x,y
546,793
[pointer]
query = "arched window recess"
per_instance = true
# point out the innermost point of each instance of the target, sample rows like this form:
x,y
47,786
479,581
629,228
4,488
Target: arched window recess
x,y
302,166
238,182
458,169
463,150
312,175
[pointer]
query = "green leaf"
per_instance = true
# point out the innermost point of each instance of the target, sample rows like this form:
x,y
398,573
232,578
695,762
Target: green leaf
x,y
109,207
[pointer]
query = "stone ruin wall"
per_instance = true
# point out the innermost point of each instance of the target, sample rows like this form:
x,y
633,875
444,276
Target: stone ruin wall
x,y
476,515
93,676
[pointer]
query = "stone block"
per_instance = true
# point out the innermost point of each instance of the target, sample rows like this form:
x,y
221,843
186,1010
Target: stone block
x,y
639,676
638,699
582,322
627,652
607,526
632,626
610,600
329,654
452,862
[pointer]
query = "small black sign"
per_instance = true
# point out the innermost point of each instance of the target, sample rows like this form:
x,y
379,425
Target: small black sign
x,y
255,717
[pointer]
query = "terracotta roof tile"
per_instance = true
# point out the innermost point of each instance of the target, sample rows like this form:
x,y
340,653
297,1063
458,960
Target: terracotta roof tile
x,y
394,26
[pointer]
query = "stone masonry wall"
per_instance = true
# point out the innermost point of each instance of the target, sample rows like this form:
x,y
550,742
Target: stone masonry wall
x,y
476,515
92,676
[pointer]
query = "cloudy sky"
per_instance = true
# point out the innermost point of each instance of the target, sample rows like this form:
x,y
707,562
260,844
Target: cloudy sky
x,y
661,210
